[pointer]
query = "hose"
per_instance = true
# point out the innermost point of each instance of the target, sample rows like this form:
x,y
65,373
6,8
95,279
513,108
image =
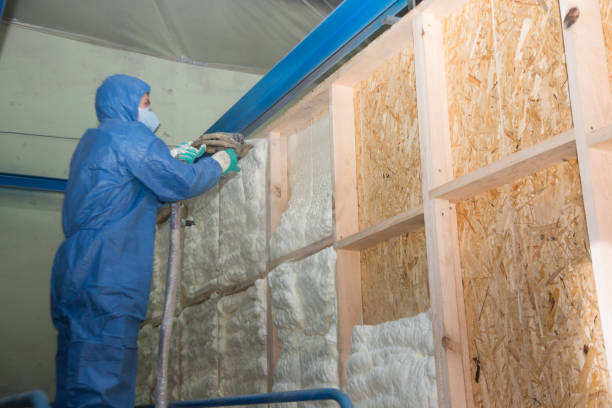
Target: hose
x,y
165,334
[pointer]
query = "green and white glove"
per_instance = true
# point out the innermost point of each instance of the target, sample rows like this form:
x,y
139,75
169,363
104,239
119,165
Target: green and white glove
x,y
227,160
187,153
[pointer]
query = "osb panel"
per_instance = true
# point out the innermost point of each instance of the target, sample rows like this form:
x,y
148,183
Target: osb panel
x,y
506,79
386,141
532,315
606,21
394,282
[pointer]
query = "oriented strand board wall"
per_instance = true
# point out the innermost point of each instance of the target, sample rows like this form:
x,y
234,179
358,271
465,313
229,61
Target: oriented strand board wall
x,y
506,79
394,280
386,137
606,20
532,315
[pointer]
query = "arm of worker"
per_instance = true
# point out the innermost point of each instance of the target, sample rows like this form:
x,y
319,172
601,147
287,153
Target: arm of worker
x,y
170,179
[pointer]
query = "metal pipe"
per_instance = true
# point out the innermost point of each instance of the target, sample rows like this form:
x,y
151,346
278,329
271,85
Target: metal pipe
x,y
26,182
320,394
165,335
36,399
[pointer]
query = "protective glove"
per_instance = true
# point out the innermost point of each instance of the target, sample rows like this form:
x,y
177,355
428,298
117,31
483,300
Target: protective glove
x,y
187,153
227,160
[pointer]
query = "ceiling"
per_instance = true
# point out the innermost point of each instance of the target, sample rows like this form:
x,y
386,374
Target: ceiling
x,y
246,35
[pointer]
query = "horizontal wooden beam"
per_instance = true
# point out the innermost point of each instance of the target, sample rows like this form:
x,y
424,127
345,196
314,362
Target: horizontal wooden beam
x,y
305,252
509,169
397,225
601,138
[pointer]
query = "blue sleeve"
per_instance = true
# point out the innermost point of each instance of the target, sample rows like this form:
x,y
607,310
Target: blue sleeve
x,y
169,178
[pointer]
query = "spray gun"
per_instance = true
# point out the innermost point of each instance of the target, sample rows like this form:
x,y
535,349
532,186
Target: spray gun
x,y
214,142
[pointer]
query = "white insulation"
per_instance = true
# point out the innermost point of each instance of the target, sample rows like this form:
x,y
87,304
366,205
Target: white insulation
x,y
304,313
201,245
242,222
242,341
392,365
308,217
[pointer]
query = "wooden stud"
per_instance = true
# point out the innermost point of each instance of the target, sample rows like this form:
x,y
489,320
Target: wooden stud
x,y
343,158
278,179
601,138
509,169
394,226
591,102
446,289
350,311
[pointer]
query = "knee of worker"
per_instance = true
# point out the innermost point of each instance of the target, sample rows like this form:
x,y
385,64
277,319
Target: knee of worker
x,y
100,375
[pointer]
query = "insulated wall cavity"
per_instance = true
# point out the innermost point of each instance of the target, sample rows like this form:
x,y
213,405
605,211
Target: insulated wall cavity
x,y
506,79
200,350
308,217
392,365
218,349
242,220
305,315
160,272
201,246
146,376
242,341
532,317
387,141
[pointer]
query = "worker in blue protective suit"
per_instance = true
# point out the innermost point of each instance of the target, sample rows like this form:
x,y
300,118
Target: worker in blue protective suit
x,y
120,174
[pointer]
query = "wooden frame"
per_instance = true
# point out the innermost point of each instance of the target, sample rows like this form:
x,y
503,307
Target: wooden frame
x,y
590,140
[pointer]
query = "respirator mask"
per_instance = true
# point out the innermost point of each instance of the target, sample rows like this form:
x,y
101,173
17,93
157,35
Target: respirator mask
x,y
148,118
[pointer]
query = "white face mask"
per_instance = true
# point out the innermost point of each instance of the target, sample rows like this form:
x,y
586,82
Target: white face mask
x,y
149,118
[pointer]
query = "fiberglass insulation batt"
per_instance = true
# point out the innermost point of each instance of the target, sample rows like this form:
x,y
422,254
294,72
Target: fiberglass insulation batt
x,y
304,313
308,217
392,364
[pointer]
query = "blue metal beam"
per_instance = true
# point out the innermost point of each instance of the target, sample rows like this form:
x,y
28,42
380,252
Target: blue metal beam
x,y
26,182
320,394
343,30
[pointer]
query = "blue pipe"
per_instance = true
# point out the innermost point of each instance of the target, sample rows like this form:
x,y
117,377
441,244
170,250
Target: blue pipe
x,y
343,30
36,399
27,182
320,394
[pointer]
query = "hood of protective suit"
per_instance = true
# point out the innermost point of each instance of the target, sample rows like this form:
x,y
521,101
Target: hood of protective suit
x,y
119,96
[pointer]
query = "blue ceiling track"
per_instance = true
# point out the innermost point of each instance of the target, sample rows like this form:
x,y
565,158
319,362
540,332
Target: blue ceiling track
x,y
22,181
352,22
341,32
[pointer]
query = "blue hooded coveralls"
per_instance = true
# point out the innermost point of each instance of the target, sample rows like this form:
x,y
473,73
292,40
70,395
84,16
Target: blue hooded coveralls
x,y
119,174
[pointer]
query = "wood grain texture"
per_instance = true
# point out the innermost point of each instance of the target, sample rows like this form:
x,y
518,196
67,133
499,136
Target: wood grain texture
x,y
394,281
386,141
507,80
509,169
606,20
399,224
533,321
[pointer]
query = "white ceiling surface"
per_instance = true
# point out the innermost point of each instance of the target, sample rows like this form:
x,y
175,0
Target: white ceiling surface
x,y
249,35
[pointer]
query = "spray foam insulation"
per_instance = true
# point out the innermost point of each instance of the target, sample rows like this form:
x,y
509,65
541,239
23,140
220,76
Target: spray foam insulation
x,y
308,217
394,278
218,349
387,141
606,21
242,341
392,365
160,271
532,317
242,220
305,316
199,353
506,79
146,376
201,245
